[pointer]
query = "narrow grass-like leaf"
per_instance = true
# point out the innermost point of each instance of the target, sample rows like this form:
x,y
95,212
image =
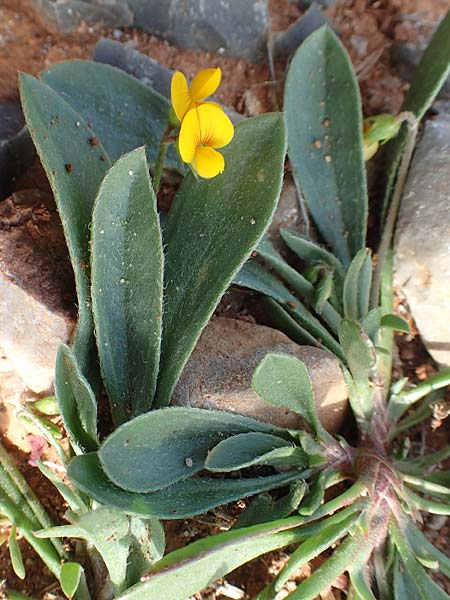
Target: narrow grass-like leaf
x,y
325,141
314,546
74,168
212,228
123,112
76,401
342,558
358,578
15,554
434,508
181,500
424,548
283,380
280,319
427,588
353,293
162,447
127,285
247,449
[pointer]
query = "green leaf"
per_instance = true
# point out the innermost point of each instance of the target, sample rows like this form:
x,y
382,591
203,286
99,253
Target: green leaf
x,y
325,141
125,114
342,558
358,350
247,449
431,73
47,406
108,531
358,578
212,228
127,285
423,548
305,327
71,573
395,322
74,169
76,401
284,381
314,546
186,571
426,587
357,286
165,446
371,323
15,554
404,586
181,500
264,508
429,77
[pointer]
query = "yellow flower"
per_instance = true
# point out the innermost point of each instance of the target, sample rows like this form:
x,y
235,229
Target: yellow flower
x,y
185,97
203,129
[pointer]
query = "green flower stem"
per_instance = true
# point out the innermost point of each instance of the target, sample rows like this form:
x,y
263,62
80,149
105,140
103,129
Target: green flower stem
x,y
159,164
436,382
47,435
389,227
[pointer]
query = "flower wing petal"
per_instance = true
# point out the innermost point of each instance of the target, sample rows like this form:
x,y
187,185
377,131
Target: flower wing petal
x,y
205,83
208,162
189,138
216,129
180,96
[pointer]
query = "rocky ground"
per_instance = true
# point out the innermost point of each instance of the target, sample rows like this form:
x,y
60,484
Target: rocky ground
x,y
384,38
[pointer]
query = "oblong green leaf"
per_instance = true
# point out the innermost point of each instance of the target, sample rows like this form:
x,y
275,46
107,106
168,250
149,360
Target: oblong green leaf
x,y
283,380
181,500
127,285
395,322
247,449
165,446
325,141
74,168
123,112
70,578
76,401
212,228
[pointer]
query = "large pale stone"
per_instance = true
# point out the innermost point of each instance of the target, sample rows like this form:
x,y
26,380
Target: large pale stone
x,y
36,287
422,248
218,374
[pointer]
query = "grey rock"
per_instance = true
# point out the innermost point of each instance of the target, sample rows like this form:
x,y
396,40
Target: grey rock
x,y
219,371
406,57
36,287
66,15
146,69
422,245
16,147
230,27
285,43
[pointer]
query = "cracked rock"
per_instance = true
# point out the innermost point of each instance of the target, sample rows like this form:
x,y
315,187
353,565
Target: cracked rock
x,y
36,287
219,371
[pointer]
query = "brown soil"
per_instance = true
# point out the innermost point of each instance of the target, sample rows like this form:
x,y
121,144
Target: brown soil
x,y
368,29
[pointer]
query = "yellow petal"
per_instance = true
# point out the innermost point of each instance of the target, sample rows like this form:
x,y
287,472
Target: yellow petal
x,y
189,138
208,162
179,92
216,129
205,83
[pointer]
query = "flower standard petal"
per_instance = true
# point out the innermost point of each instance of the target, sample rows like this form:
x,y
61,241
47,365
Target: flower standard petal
x,y
216,129
180,95
205,83
208,162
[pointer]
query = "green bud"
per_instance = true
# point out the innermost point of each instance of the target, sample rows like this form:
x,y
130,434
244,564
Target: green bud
x,y
47,406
